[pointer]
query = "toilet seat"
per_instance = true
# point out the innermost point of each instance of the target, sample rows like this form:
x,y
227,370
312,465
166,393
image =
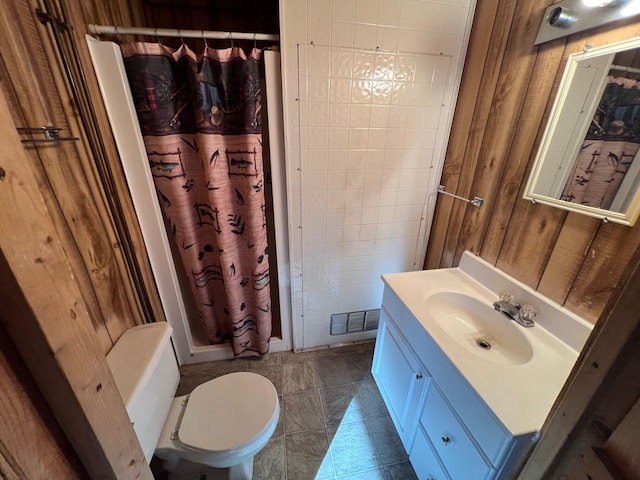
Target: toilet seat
x,y
228,412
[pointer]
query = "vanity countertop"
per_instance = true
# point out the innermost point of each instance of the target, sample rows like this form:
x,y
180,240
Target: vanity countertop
x,y
522,393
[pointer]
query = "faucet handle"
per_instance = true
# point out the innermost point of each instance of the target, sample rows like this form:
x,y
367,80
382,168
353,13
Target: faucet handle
x,y
507,296
528,312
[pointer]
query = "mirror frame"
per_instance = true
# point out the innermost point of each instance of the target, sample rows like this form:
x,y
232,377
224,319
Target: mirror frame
x,y
543,157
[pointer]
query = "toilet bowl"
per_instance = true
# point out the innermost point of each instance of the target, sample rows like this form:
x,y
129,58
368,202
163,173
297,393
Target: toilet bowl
x,y
223,423
212,433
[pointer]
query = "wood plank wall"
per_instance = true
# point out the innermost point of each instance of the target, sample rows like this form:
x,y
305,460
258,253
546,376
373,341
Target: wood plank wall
x,y
35,86
27,425
260,16
507,90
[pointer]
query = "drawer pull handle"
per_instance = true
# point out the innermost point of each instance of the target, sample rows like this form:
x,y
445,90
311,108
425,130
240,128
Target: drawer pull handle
x,y
418,376
445,440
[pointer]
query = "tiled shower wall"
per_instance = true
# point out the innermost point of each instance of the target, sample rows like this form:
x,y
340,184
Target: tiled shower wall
x,y
369,91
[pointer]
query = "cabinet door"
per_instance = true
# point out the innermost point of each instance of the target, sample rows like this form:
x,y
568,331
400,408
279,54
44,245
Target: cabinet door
x,y
400,378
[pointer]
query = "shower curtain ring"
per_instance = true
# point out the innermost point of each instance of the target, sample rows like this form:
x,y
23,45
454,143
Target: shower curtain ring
x,y
255,44
158,41
206,45
181,37
231,38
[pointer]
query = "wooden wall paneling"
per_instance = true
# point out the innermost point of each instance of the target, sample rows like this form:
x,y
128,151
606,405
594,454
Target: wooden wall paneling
x,y
9,469
623,447
464,119
506,108
28,81
101,247
595,464
605,261
529,241
79,17
515,171
46,319
567,256
609,358
31,440
102,252
537,229
473,135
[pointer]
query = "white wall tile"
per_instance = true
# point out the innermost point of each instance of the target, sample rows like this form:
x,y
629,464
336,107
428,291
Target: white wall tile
x,y
358,138
377,138
382,90
363,64
389,13
344,10
341,62
367,11
411,13
338,135
408,40
387,37
359,116
295,11
321,61
375,160
370,217
318,114
319,31
318,89
379,116
364,36
318,9
371,198
365,134
342,34
361,91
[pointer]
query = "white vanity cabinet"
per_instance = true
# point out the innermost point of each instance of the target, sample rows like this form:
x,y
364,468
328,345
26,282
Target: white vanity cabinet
x,y
446,428
401,378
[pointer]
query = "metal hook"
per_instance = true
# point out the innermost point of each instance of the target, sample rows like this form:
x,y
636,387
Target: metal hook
x,y
158,39
231,38
206,45
181,37
255,44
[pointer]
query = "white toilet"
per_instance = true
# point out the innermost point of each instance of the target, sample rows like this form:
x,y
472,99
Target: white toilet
x,y
222,424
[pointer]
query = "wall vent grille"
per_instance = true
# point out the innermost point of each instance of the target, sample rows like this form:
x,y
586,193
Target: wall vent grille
x,y
357,321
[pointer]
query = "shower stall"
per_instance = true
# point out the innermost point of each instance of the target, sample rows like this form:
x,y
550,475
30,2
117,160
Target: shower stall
x,y
189,340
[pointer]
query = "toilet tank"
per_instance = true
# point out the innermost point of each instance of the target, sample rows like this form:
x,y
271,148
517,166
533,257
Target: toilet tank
x,y
146,374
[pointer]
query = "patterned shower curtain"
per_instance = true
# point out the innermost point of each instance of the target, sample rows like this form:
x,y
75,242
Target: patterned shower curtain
x,y
611,144
200,120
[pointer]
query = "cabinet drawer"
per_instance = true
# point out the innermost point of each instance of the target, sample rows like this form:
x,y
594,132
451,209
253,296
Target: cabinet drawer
x,y
424,460
450,440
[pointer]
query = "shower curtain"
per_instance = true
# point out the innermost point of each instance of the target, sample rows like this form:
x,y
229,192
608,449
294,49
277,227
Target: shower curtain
x,y
611,144
200,121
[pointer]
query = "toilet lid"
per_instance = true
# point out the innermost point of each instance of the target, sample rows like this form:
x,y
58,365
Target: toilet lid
x,y
228,411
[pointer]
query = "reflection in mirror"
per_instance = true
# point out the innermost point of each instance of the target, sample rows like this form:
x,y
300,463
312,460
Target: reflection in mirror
x,y
588,159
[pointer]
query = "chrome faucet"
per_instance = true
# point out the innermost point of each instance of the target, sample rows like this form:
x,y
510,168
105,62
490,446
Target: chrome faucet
x,y
523,315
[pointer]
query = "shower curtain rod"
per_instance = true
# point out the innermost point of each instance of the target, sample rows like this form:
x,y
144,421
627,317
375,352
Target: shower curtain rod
x,y
170,32
624,68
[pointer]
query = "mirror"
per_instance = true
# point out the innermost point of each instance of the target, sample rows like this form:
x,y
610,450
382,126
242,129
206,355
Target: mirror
x,y
589,157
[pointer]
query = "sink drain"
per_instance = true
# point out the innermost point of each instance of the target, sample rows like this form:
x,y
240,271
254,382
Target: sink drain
x,y
483,344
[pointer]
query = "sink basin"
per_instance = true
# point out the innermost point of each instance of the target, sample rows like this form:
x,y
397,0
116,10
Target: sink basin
x,y
480,329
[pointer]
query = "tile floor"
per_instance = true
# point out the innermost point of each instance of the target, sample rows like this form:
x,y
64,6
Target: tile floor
x,y
333,422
